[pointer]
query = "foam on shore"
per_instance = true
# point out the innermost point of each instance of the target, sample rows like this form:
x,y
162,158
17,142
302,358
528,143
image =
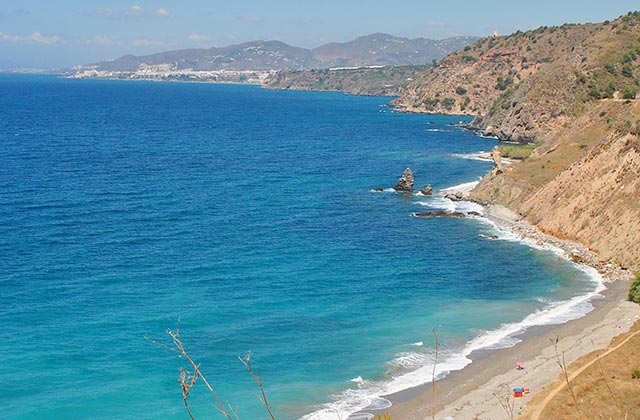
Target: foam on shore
x,y
415,369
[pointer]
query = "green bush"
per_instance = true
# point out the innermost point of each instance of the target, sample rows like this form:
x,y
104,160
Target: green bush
x,y
503,83
465,103
460,90
609,91
610,68
448,103
628,57
517,151
629,94
634,291
430,103
635,374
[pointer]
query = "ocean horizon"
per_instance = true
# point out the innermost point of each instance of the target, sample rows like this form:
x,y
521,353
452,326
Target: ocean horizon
x,y
248,214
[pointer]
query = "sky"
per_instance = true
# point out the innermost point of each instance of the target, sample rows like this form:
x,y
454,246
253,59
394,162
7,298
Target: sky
x,y
53,34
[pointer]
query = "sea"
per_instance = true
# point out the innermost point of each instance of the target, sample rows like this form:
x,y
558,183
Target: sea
x,y
245,218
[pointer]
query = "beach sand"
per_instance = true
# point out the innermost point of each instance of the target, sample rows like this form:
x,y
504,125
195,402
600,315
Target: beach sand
x,y
472,393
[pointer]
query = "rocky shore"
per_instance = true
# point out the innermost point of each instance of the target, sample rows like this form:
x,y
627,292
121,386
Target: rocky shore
x,y
473,392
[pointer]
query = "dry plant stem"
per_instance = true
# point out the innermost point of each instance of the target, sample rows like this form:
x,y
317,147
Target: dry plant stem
x,y
246,361
186,388
508,408
179,348
604,377
563,367
433,372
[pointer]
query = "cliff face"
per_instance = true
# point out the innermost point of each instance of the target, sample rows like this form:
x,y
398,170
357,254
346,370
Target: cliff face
x,y
573,90
524,86
582,185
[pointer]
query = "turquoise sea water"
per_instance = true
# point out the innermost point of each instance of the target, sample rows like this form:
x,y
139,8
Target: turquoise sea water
x,y
248,214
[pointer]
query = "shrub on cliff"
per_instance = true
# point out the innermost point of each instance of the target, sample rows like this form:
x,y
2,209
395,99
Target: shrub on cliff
x,y
634,292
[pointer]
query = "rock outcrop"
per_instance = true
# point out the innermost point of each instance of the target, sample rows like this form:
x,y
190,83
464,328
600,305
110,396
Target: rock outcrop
x,y
454,196
405,183
434,214
427,190
496,156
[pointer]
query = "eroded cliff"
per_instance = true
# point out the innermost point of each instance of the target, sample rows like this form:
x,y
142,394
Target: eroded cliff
x,y
572,89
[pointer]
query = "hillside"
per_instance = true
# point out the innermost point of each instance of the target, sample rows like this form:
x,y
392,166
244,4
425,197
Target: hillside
x,y
376,49
383,81
386,50
571,88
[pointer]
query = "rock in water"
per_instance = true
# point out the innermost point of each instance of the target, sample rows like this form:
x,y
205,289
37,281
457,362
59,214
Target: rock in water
x,y
405,183
454,196
427,190
433,214
497,160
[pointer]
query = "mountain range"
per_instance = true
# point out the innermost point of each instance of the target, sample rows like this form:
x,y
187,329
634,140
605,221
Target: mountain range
x,y
372,50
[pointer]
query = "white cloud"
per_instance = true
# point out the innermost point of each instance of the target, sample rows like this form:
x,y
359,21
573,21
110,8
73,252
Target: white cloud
x,y
135,10
101,40
434,24
38,37
141,42
9,38
198,37
34,37
104,11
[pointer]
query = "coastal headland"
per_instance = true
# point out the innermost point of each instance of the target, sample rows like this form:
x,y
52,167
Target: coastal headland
x,y
569,95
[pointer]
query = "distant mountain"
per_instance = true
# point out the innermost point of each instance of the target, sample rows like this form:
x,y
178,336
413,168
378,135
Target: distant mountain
x,y
387,50
371,50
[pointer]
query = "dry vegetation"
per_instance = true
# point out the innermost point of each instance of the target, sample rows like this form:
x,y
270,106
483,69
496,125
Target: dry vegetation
x,y
605,390
525,85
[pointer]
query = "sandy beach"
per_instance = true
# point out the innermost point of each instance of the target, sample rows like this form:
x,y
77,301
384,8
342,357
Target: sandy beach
x,y
473,392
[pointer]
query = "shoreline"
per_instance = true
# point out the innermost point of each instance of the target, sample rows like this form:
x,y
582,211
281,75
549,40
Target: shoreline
x,y
473,391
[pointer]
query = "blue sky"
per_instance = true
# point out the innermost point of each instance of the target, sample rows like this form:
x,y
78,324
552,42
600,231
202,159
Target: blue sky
x,y
56,33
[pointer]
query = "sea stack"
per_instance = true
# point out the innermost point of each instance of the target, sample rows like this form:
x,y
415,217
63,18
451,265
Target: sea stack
x,y
405,183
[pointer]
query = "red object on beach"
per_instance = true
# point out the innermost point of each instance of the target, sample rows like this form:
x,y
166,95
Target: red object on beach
x,y
519,365
519,392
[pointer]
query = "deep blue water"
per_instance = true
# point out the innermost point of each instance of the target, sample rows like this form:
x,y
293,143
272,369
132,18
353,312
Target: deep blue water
x,y
248,214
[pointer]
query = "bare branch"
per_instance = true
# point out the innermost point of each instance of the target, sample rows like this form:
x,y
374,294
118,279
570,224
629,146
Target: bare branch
x,y
604,377
507,405
563,367
246,361
187,381
433,372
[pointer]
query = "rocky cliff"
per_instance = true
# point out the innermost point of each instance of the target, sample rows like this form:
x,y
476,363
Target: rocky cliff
x,y
573,90
523,86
